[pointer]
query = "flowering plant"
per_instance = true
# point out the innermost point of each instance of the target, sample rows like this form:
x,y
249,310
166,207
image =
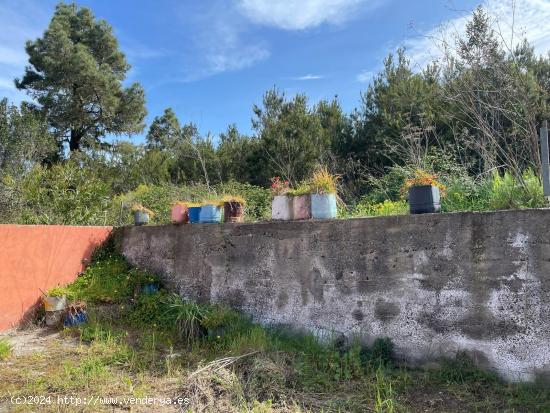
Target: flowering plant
x,y
279,187
421,178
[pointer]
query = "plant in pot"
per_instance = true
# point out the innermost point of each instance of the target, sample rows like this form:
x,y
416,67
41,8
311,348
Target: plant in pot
x,y
55,302
180,213
141,214
323,196
233,208
211,212
281,205
424,192
301,201
194,211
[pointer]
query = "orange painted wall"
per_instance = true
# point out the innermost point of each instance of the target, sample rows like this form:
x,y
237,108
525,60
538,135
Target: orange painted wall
x,y
34,257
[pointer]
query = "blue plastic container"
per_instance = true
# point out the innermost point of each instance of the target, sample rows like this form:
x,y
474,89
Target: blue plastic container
x,y
75,319
149,289
323,206
210,214
194,213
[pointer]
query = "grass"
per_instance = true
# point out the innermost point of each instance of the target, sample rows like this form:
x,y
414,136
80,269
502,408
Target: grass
x,y
5,349
161,346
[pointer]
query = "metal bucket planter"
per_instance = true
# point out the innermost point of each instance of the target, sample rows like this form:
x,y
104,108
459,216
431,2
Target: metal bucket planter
x,y
194,214
54,303
301,207
323,206
210,214
55,308
424,199
233,211
141,218
180,214
281,208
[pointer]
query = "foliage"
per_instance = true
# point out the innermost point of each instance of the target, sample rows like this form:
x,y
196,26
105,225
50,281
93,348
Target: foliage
x,y
421,178
234,199
279,187
385,208
323,182
109,280
141,208
62,194
76,73
5,349
508,192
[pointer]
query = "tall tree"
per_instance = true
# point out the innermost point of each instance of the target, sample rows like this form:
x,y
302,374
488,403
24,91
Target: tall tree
x,y
75,73
291,135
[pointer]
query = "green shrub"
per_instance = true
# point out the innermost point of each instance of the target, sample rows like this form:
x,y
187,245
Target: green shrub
x,y
63,194
384,208
109,281
508,192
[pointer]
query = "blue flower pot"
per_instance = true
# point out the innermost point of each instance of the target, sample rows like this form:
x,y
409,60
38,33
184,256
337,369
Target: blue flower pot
x,y
194,214
149,289
323,206
75,319
210,214
141,218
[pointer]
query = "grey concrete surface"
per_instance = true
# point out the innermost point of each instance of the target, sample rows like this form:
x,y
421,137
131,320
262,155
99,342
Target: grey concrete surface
x,y
435,284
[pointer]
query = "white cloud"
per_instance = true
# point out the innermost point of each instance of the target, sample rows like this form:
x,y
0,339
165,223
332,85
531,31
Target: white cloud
x,y
302,14
307,77
512,19
221,41
365,77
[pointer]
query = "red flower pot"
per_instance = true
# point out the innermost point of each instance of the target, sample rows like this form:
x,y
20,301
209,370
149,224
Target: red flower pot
x,y
233,212
180,214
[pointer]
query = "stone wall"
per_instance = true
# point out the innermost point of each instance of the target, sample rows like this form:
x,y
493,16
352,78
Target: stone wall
x,y
434,284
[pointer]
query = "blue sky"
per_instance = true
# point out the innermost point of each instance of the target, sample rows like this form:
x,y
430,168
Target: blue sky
x,y
212,60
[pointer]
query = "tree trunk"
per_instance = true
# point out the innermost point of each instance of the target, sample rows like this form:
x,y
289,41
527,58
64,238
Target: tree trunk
x,y
74,143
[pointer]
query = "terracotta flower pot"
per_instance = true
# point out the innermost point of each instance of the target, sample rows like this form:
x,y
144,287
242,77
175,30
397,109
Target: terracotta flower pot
x,y
301,207
180,214
233,212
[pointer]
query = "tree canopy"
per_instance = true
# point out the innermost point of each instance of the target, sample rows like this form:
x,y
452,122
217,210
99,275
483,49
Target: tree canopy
x,y
76,73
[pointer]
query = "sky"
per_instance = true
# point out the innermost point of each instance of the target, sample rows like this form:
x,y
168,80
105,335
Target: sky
x,y
211,60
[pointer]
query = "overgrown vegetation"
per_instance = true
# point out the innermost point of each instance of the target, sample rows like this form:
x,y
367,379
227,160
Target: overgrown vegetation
x,y
144,344
5,349
471,117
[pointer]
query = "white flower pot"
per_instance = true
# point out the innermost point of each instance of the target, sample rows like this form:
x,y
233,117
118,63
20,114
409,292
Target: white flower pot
x,y
281,208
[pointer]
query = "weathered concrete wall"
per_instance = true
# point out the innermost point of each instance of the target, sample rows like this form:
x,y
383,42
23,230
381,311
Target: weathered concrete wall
x,y
38,257
435,284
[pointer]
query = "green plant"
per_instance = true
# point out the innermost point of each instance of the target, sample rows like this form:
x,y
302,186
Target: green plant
x,y
303,188
421,178
234,198
381,209
140,208
323,182
5,349
508,192
58,291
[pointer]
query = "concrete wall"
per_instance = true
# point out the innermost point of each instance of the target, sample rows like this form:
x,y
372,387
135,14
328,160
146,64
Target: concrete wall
x,y
38,257
435,284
